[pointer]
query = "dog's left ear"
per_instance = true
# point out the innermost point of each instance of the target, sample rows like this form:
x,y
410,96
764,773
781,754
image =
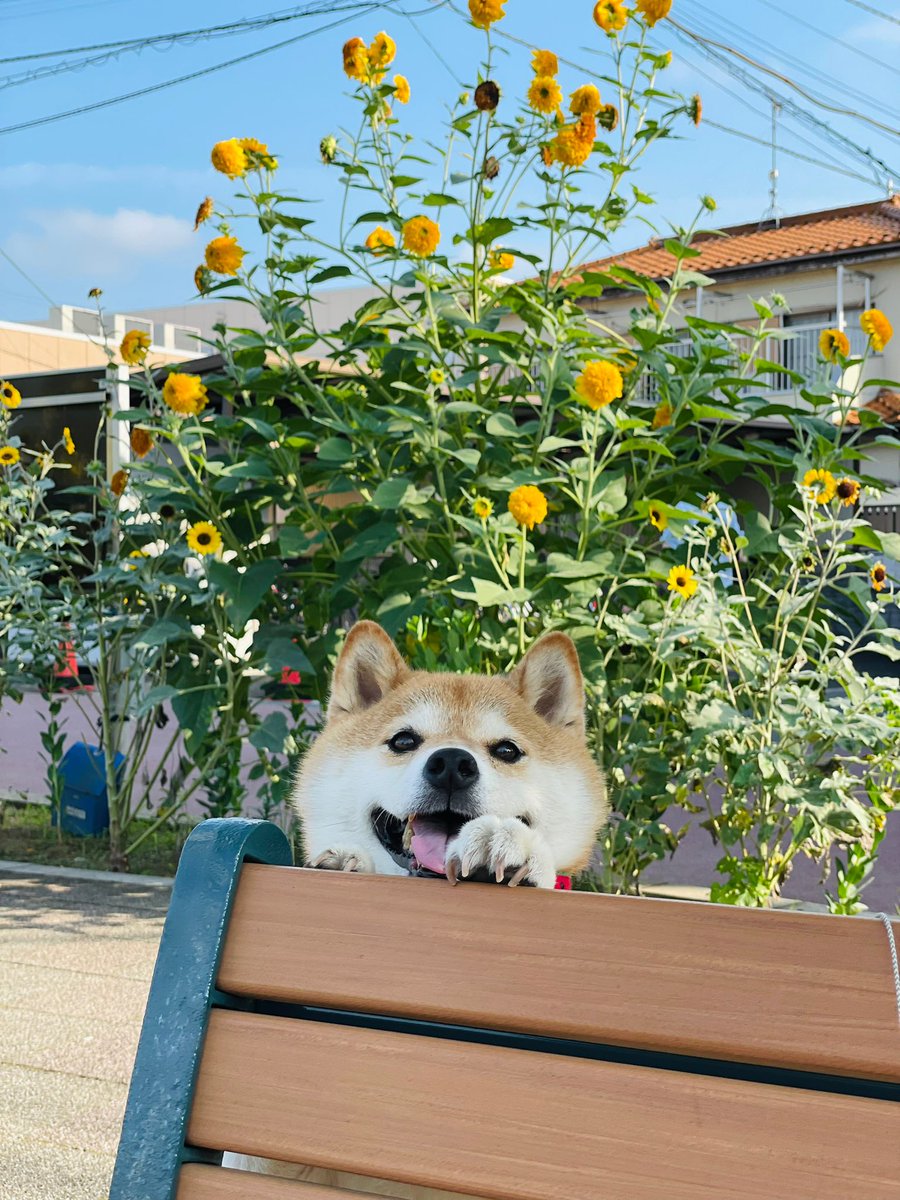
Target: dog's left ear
x,y
549,680
368,667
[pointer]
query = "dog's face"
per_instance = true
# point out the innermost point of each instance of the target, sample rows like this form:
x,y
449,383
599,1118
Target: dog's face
x,y
408,757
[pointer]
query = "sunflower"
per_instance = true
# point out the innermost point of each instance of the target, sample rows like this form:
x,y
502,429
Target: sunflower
x,y
184,394
437,376
229,158
421,236
141,442
653,10
657,517
878,575
328,148
501,260
204,538
610,15
528,505
877,327
599,384
258,155
380,240
9,456
382,52
547,155
482,507
683,581
847,491
485,12
204,212
119,482
224,255
821,484
695,108
545,94
585,99
544,62
10,396
833,344
401,89
662,415
573,144
67,440
134,346
487,96
356,61
202,279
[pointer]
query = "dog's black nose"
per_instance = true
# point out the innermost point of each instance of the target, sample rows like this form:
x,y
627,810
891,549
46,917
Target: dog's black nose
x,y
451,770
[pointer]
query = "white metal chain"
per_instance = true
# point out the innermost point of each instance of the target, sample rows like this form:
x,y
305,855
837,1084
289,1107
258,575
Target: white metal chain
x,y
888,924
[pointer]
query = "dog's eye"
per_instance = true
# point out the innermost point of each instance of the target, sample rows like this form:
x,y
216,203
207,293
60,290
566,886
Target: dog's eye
x,y
506,751
404,742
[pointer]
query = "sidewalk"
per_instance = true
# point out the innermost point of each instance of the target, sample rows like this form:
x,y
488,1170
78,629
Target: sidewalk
x,y
76,958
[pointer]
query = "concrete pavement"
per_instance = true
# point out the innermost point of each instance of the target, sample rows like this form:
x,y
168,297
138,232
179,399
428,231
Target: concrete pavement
x,y
76,956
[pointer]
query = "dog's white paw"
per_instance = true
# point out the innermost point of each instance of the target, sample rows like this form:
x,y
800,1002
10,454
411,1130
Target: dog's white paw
x,y
502,848
343,860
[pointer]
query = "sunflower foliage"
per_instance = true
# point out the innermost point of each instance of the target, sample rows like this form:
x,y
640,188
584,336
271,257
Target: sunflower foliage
x,y
473,458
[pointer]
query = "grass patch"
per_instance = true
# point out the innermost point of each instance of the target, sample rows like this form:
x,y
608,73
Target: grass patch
x,y
26,835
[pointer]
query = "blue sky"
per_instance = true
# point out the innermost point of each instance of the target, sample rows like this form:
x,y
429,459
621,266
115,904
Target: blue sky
x,y
107,198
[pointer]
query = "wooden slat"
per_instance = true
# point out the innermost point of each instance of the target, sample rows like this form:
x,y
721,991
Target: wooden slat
x,y
199,1182
784,989
520,1125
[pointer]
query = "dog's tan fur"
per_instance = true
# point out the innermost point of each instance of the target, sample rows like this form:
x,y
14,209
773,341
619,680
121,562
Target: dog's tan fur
x,y
537,817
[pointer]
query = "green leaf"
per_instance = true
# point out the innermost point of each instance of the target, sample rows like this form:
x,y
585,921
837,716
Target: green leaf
x,y
488,231
193,711
281,652
390,493
243,590
864,535
371,542
272,734
890,544
562,566
335,450
338,271
163,632
438,200
154,697
501,425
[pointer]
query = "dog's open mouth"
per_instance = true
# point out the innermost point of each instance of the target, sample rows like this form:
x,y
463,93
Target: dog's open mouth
x,y
419,843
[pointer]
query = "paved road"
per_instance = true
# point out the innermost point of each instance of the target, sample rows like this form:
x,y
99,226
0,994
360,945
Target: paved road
x,y
75,963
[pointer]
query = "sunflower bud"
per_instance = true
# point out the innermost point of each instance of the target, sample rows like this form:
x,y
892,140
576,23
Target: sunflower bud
x,y
95,293
708,203
328,148
487,96
608,117
491,167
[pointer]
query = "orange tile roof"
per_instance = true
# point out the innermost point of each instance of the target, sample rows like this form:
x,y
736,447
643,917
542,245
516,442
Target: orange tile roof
x,y
809,236
886,404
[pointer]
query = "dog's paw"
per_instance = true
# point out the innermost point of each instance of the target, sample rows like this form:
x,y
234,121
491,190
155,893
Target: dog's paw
x,y
503,849
343,860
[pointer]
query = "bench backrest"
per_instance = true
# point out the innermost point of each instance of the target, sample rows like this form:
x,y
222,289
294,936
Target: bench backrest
x,y
519,1044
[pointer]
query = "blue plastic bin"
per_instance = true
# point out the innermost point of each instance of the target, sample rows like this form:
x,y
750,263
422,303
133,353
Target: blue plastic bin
x,y
85,805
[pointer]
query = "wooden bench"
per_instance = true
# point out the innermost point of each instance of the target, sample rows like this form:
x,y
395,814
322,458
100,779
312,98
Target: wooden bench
x,y
517,1044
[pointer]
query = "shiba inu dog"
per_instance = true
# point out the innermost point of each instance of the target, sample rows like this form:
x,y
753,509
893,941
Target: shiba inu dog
x,y
464,776
467,776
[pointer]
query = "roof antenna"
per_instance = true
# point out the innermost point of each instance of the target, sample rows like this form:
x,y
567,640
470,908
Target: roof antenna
x,y
773,212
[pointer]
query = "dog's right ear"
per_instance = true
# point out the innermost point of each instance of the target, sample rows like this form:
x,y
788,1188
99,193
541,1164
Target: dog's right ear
x,y
367,668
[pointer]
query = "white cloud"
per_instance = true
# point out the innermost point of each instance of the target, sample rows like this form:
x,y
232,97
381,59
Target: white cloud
x,y
68,176
74,242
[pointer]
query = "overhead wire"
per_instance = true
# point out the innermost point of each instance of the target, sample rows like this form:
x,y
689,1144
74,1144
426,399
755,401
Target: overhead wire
x,y
21,270
783,11
878,12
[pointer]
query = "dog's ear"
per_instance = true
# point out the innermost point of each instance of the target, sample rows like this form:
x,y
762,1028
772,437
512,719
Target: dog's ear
x,y
367,668
549,680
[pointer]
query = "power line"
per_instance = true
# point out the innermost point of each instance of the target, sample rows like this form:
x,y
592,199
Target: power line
x,y
878,12
782,11
37,287
167,83
749,137
840,110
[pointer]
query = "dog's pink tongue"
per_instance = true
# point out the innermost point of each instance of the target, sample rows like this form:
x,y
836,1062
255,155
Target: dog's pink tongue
x,y
429,845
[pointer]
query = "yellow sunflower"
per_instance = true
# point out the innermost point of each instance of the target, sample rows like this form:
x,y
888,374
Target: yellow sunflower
x,y
204,538
847,491
224,255
119,482
437,376
356,61
134,346
585,99
482,507
421,236
528,505
544,62
878,575
834,344
184,394
501,260
610,15
485,12
821,483
662,415
875,324
545,94
573,144
10,396
695,108
380,239
657,517
382,52
141,442
599,384
67,440
9,456
653,10
258,154
229,158
401,89
683,581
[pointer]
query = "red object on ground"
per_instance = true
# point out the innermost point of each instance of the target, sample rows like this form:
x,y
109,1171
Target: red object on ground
x,y
70,669
563,883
